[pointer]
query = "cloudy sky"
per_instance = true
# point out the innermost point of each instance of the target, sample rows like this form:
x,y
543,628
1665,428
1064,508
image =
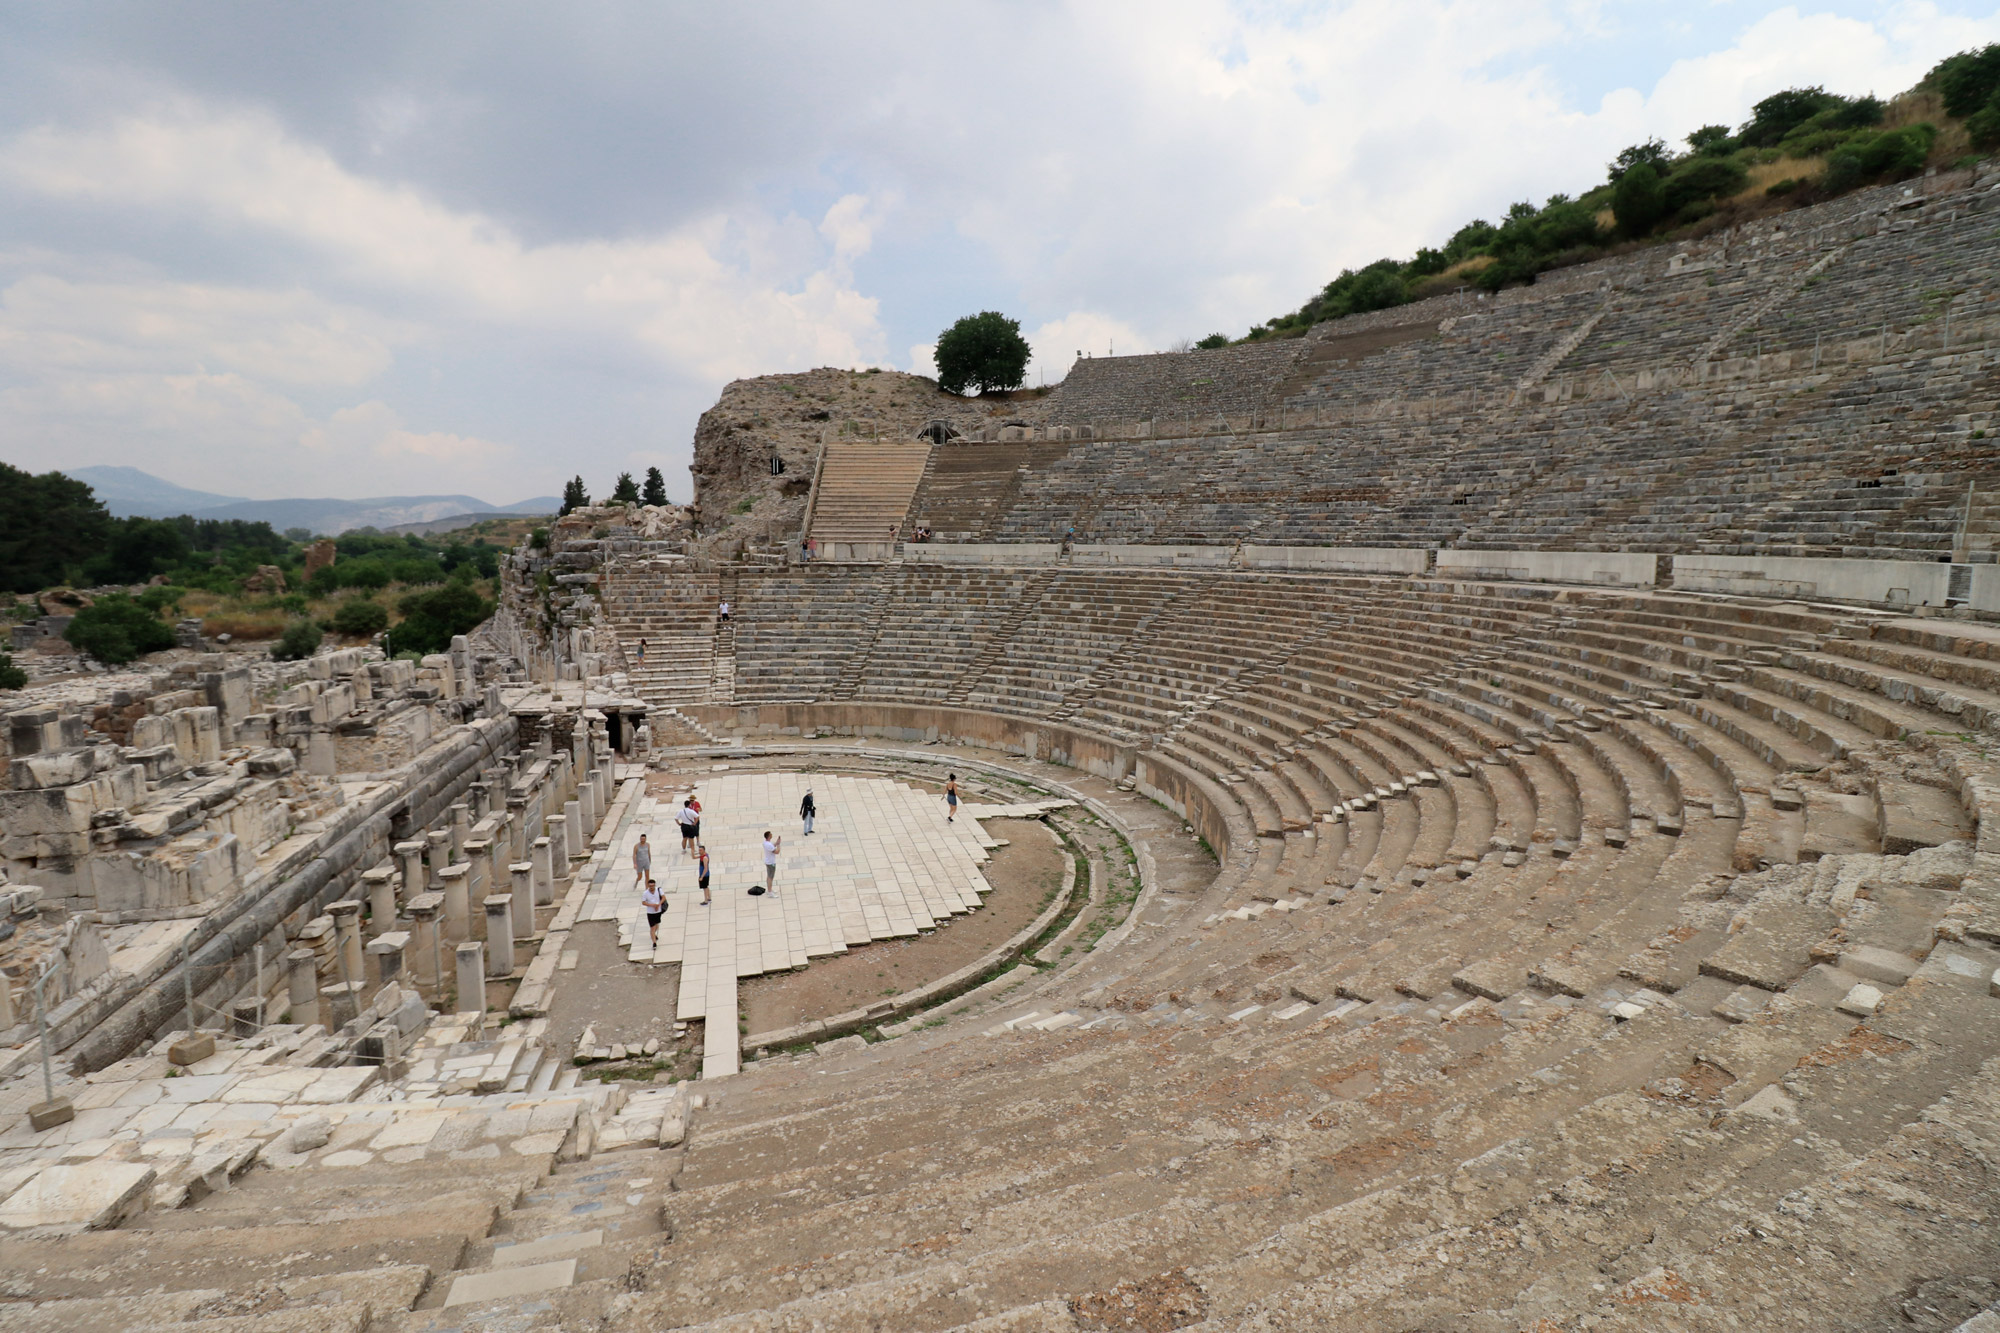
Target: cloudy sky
x,y
368,249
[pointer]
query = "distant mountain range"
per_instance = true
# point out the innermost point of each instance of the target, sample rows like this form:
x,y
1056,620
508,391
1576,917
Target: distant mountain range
x,y
129,492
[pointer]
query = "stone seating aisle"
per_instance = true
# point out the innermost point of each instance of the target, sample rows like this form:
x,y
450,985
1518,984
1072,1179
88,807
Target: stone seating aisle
x,y
674,611
1078,621
796,630
864,491
971,486
936,622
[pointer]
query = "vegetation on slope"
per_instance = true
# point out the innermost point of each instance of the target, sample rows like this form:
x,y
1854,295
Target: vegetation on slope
x,y
1799,147
239,578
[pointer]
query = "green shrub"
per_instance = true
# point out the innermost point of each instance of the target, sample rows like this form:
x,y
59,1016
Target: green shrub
x,y
1781,113
539,539
1213,341
1983,125
115,629
300,640
11,676
1640,201
1703,178
1967,81
1892,153
360,616
982,353
430,619
1785,186
1712,140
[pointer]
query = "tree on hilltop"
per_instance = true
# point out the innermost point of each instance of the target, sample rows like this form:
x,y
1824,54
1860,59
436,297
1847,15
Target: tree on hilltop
x,y
655,492
983,353
625,491
574,496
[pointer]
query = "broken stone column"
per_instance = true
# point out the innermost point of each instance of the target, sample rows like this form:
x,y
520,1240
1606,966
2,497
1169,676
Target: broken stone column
x,y
517,828
454,884
461,828
246,1016
422,959
558,839
578,842
7,1018
499,934
411,854
381,887
523,873
302,986
479,797
472,977
321,755
438,845
478,855
586,801
346,916
388,950
545,878
340,1003
500,832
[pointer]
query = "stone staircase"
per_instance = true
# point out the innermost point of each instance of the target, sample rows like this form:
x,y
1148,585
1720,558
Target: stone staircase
x,y
865,491
1023,608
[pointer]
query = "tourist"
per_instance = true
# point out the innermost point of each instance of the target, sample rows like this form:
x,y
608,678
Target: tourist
x,y
654,903
771,846
639,659
701,873
723,610
689,818
642,859
807,810
950,797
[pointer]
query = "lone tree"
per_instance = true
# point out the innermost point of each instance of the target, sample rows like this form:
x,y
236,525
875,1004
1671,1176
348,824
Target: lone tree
x,y
655,490
625,491
982,353
574,496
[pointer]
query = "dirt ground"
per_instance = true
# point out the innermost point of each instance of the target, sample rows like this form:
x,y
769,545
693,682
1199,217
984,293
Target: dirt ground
x,y
1022,874
626,1002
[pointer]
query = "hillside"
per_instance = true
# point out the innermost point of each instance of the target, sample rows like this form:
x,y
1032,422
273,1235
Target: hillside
x,y
1800,147
740,501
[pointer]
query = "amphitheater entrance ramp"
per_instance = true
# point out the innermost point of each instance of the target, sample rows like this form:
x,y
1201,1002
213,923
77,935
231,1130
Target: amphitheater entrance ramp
x,y
862,497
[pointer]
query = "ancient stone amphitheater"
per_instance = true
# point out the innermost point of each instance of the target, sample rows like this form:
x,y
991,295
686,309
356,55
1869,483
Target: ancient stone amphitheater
x,y
1552,737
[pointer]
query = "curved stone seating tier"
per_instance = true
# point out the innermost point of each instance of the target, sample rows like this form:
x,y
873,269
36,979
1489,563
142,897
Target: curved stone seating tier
x,y
1812,385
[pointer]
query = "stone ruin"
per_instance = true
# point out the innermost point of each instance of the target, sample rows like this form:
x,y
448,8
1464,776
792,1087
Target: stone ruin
x,y
1552,738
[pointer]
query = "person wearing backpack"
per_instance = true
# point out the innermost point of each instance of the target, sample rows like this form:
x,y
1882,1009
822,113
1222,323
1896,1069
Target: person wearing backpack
x,y
806,812
655,903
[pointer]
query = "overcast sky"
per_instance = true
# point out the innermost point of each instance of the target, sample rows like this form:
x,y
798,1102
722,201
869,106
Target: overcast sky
x,y
368,249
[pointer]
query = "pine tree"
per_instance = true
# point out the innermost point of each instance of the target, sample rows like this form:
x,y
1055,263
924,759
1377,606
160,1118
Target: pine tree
x,y
574,496
655,492
625,491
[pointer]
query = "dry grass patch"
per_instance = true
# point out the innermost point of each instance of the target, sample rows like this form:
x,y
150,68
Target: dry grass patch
x,y
1804,170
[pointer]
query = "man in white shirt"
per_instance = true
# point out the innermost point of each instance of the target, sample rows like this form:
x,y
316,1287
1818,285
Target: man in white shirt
x,y
771,846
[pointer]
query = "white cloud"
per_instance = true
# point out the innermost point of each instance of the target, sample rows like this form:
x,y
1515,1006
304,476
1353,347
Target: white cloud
x,y
50,325
373,431
1058,344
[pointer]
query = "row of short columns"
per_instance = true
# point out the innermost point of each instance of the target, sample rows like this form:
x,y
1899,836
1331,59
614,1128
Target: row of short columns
x,y
482,853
